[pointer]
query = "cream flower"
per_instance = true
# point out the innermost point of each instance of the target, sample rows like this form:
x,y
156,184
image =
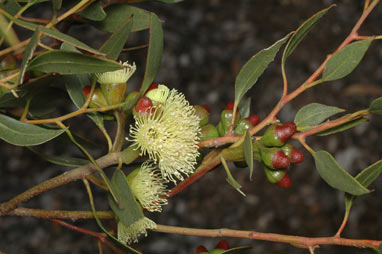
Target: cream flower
x,y
118,76
169,135
148,187
130,234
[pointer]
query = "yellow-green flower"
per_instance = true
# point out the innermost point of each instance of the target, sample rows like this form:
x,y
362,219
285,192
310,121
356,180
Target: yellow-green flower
x,y
130,234
148,187
169,135
118,76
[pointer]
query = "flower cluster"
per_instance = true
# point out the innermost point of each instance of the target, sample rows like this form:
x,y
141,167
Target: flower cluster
x,y
168,133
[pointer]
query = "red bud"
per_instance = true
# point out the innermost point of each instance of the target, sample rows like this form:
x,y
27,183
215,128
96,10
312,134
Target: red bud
x,y
285,131
223,245
285,182
152,87
280,160
206,107
254,119
201,249
143,105
230,105
86,91
296,156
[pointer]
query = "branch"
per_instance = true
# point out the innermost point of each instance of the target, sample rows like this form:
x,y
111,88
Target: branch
x,y
64,178
297,241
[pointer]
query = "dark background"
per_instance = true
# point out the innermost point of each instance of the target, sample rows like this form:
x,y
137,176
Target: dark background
x,y
206,43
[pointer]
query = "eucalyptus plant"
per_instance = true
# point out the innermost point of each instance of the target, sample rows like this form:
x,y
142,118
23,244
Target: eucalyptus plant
x,y
162,144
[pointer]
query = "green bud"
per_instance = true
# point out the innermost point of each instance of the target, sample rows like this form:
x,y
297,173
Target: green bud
x,y
274,176
274,157
226,120
217,251
114,93
208,131
130,100
287,149
203,115
256,151
278,134
242,126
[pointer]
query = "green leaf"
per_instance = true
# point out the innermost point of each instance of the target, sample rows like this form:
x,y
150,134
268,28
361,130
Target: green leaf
x,y
170,1
94,12
57,4
230,178
66,62
118,13
74,85
302,31
245,108
342,127
28,54
154,54
61,160
114,45
376,106
128,210
313,114
365,177
24,134
253,69
248,152
334,175
54,34
344,61
10,6
44,101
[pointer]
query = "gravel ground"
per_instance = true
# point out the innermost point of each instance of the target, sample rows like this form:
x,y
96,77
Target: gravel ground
x,y
206,43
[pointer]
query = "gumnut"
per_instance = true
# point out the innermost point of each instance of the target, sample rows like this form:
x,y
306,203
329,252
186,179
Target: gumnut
x,y
143,106
278,134
98,99
242,126
254,119
208,132
285,182
206,107
225,121
294,155
274,176
201,250
274,157
223,245
203,114
230,105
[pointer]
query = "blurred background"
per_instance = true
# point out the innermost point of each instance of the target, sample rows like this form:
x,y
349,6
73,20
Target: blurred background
x,y
206,43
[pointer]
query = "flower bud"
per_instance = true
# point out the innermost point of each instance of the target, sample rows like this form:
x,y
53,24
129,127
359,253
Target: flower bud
x,y
143,106
223,245
242,126
274,158
230,105
206,107
274,176
98,99
285,182
293,153
278,134
208,132
226,120
203,115
254,119
201,250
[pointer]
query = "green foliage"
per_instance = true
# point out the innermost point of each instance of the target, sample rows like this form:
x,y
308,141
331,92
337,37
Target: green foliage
x,y
24,134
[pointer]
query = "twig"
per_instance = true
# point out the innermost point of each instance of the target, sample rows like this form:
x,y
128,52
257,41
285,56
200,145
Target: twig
x,y
300,241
